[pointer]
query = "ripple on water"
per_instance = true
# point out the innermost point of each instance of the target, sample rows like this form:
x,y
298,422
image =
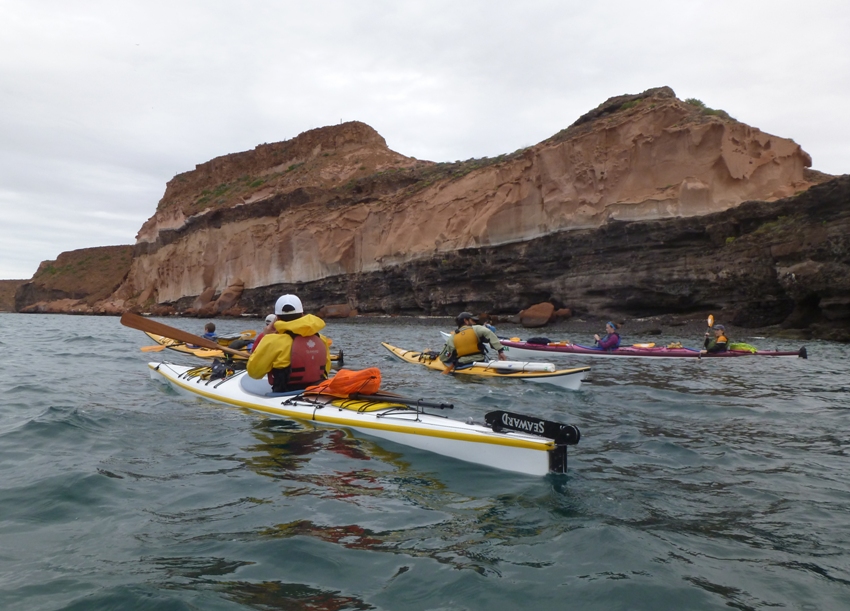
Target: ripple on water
x,y
695,486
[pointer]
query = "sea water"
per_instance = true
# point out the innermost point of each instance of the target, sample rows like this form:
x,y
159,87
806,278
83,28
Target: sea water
x,y
713,484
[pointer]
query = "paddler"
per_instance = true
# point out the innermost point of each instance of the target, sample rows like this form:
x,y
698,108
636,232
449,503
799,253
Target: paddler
x,y
295,355
611,339
249,344
718,343
467,344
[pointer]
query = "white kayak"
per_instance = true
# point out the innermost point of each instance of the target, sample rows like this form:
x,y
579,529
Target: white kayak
x,y
508,441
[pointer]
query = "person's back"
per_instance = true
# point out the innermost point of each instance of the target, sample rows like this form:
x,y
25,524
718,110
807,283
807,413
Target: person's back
x,y
296,355
467,344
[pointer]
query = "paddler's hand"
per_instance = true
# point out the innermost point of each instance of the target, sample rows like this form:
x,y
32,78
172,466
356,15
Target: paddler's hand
x,y
502,356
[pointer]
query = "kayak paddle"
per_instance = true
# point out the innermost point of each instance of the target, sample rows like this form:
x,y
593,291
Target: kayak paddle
x,y
140,323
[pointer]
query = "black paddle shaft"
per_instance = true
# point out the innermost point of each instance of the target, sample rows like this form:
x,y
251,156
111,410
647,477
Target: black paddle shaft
x,y
402,400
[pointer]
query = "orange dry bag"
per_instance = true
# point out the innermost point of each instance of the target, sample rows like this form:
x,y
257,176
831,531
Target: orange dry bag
x,y
349,382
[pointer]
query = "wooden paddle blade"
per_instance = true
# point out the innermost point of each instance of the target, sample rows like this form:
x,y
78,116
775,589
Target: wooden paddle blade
x,y
711,320
152,348
140,323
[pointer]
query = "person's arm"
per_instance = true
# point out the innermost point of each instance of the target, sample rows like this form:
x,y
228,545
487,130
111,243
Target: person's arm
x,y
262,359
608,342
328,341
491,338
448,349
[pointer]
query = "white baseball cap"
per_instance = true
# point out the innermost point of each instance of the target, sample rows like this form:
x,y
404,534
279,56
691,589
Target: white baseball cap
x,y
270,319
288,304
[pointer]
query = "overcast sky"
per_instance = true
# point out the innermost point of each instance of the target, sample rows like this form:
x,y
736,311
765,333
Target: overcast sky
x,y
103,102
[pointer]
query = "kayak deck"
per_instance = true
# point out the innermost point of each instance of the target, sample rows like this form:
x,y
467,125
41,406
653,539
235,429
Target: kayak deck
x,y
494,445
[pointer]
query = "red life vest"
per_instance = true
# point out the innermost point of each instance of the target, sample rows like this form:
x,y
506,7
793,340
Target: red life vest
x,y
307,360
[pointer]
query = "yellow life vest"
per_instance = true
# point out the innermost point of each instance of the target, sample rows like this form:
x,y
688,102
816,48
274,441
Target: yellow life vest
x,y
466,342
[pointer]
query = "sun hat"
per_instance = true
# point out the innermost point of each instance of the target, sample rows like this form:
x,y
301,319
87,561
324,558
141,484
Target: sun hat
x,y
719,328
288,304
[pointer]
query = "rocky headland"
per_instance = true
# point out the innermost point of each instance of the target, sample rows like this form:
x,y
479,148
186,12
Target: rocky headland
x,y
646,206
8,288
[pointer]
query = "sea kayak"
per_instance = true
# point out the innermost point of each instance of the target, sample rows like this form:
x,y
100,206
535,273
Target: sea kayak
x,y
208,353
525,350
508,441
569,379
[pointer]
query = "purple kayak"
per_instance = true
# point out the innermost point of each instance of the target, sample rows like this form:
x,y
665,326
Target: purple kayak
x,y
522,349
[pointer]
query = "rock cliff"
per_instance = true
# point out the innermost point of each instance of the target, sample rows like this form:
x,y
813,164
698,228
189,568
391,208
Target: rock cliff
x,y
7,294
646,205
336,201
78,281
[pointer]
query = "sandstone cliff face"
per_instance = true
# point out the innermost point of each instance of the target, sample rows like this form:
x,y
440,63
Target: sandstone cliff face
x,y
336,201
760,264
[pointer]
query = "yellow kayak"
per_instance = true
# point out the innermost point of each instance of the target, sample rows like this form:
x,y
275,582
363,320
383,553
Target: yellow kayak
x,y
545,373
206,353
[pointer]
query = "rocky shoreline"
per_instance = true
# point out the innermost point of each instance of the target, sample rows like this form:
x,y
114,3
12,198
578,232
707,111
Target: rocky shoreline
x,y
687,329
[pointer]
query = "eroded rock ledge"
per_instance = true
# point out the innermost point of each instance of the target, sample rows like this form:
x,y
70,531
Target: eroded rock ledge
x,y
336,201
763,263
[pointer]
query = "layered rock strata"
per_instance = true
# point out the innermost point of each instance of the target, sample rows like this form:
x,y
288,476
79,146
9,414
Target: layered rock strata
x,y
336,201
763,263
636,209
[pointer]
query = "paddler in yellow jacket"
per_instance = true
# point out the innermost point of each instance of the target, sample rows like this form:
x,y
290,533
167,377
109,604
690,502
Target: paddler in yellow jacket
x,y
466,344
295,355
